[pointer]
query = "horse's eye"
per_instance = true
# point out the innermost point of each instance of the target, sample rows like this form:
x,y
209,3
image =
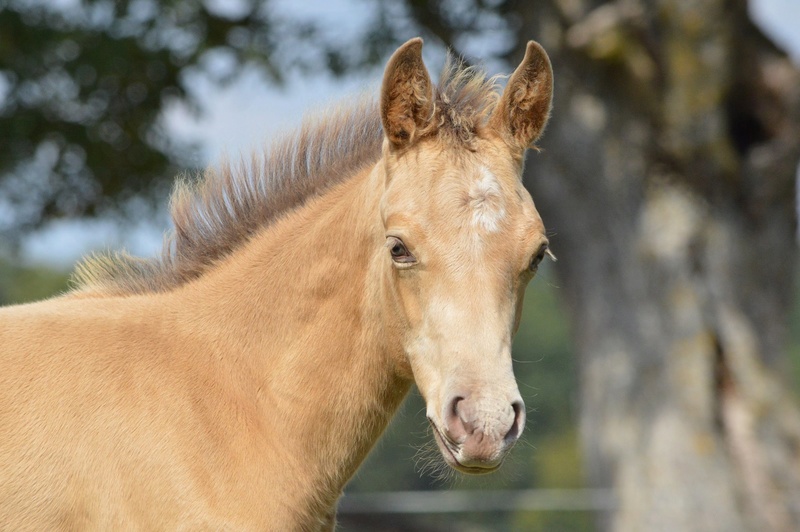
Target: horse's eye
x,y
536,259
399,252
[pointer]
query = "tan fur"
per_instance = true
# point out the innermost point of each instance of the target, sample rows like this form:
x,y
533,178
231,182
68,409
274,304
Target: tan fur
x,y
237,382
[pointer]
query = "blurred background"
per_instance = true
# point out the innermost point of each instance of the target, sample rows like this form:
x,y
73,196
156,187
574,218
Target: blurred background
x,y
659,358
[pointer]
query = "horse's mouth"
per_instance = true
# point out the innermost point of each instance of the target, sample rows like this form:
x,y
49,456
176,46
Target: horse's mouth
x,y
449,451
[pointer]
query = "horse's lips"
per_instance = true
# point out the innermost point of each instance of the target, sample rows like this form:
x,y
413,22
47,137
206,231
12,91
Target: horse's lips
x,y
451,459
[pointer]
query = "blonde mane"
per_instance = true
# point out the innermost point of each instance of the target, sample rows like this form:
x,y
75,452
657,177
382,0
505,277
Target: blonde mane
x,y
217,213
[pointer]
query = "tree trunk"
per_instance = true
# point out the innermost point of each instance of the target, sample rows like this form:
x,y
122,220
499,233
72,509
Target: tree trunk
x,y
668,180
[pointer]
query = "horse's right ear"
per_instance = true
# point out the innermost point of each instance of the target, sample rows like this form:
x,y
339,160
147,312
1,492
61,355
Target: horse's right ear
x,y
406,95
524,108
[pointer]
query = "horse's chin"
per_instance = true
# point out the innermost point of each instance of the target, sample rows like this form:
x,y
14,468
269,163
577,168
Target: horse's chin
x,y
450,451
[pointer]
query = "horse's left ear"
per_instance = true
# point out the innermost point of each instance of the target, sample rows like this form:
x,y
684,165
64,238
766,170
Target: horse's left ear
x,y
524,108
406,95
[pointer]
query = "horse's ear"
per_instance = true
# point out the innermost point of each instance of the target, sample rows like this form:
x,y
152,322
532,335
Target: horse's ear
x,y
524,108
406,95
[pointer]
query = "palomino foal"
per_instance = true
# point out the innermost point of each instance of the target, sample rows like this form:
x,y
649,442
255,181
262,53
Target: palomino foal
x,y
238,380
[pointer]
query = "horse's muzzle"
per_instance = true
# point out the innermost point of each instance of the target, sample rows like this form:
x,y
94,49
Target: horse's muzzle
x,y
477,434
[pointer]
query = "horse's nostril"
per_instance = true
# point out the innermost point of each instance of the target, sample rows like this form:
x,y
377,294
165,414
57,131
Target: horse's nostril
x,y
519,422
455,426
454,405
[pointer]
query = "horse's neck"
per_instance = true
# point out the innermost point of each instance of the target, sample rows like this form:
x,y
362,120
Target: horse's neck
x,y
299,311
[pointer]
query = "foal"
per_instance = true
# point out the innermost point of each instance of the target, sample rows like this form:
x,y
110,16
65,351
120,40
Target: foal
x,y
238,380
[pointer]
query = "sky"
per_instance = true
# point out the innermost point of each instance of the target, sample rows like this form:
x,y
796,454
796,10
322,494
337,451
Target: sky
x,y
245,114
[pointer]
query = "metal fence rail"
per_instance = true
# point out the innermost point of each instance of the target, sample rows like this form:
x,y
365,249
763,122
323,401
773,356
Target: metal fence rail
x,y
424,502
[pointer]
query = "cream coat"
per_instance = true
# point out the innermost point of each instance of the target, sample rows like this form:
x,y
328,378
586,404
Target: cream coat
x,y
239,389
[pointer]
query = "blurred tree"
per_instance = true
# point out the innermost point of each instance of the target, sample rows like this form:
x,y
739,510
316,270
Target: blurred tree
x,y
82,87
668,174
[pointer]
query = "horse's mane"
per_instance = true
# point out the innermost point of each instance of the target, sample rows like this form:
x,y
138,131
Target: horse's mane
x,y
214,215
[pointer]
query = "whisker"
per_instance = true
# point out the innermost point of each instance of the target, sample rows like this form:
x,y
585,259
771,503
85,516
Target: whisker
x,y
529,386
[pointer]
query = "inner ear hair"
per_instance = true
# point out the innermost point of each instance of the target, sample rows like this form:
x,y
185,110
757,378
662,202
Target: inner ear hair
x,y
406,94
524,108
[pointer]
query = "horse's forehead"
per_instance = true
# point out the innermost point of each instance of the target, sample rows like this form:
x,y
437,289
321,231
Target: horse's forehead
x,y
453,194
482,198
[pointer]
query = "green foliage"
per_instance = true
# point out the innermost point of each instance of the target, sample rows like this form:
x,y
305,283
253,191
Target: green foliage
x,y
794,345
557,463
77,124
82,89
544,362
20,284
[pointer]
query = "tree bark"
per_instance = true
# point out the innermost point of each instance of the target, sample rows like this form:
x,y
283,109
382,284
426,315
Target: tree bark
x,y
668,179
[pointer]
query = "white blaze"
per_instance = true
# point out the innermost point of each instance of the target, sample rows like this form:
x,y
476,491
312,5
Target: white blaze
x,y
486,201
